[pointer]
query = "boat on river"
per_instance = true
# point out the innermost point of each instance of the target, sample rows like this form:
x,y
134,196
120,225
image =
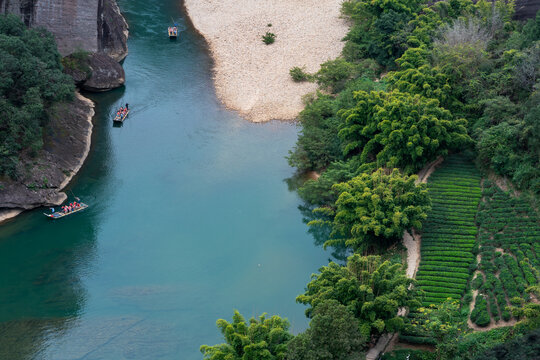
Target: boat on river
x,y
173,32
60,214
121,117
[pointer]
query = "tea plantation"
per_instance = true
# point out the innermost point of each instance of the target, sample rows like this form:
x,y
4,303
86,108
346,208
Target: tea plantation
x,y
448,237
449,232
509,238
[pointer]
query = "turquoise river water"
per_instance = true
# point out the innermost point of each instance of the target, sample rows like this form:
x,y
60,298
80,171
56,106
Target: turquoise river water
x,y
189,219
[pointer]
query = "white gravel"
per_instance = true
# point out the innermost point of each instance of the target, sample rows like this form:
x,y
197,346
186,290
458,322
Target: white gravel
x,y
253,78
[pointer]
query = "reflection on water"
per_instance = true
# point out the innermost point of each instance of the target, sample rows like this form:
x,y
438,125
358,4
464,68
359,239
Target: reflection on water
x,y
42,261
41,291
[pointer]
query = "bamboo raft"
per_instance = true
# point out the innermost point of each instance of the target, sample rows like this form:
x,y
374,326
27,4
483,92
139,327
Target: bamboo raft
x,y
61,214
120,118
173,32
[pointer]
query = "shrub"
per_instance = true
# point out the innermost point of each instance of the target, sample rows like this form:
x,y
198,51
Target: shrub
x,y
480,315
269,38
299,74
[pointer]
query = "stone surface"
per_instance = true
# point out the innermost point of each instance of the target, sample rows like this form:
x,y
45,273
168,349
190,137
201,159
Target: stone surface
x,y
112,31
526,9
91,25
66,145
106,73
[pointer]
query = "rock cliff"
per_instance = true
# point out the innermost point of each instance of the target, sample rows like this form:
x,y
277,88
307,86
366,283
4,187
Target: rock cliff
x,y
66,145
91,25
526,9
97,72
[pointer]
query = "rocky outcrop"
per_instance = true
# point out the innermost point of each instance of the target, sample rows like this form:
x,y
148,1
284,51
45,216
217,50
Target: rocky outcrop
x,y
95,72
91,25
106,74
526,9
112,30
66,145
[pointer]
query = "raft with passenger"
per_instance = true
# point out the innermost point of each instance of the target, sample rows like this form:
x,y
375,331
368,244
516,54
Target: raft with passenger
x,y
121,114
173,32
67,210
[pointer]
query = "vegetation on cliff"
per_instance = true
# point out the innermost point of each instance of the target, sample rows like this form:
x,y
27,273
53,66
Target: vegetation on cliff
x,y
31,81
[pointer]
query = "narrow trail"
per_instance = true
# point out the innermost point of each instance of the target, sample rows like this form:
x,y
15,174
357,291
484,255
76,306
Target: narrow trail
x,y
412,244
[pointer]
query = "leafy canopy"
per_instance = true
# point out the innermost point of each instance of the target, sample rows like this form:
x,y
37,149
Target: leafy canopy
x,y
400,130
371,289
333,333
261,339
31,80
375,209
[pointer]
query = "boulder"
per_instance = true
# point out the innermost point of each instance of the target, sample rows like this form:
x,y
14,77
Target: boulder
x,y
77,65
105,74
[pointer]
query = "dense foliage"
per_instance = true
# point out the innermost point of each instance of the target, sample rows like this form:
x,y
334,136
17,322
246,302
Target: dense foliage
x,y
524,347
463,75
333,333
399,130
31,80
375,209
261,339
373,290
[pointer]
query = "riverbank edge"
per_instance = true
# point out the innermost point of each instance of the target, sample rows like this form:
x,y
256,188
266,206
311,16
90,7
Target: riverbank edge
x,y
7,213
257,110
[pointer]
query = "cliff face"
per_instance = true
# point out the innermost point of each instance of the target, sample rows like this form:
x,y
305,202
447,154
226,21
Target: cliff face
x,y
66,145
93,25
526,9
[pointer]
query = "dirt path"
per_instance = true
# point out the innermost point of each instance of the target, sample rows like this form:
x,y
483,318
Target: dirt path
x,y
427,170
412,243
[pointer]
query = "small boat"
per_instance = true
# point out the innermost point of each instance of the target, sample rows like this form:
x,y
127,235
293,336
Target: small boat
x,y
173,32
61,214
121,117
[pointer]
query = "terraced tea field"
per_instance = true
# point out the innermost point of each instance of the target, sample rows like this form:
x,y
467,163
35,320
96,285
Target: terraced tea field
x,y
448,236
449,232
509,238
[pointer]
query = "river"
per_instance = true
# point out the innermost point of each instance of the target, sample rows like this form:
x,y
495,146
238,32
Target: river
x,y
189,219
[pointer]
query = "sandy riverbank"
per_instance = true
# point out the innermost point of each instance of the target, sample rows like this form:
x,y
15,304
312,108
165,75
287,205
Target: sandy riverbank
x,y
253,78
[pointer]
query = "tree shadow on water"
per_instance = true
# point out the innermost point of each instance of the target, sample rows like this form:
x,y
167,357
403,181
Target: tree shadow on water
x,y
321,233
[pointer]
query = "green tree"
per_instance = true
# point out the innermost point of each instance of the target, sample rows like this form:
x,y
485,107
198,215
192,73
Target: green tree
x,y
333,74
378,29
371,289
318,144
333,334
262,339
521,347
31,81
375,209
416,76
446,325
400,130
528,313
